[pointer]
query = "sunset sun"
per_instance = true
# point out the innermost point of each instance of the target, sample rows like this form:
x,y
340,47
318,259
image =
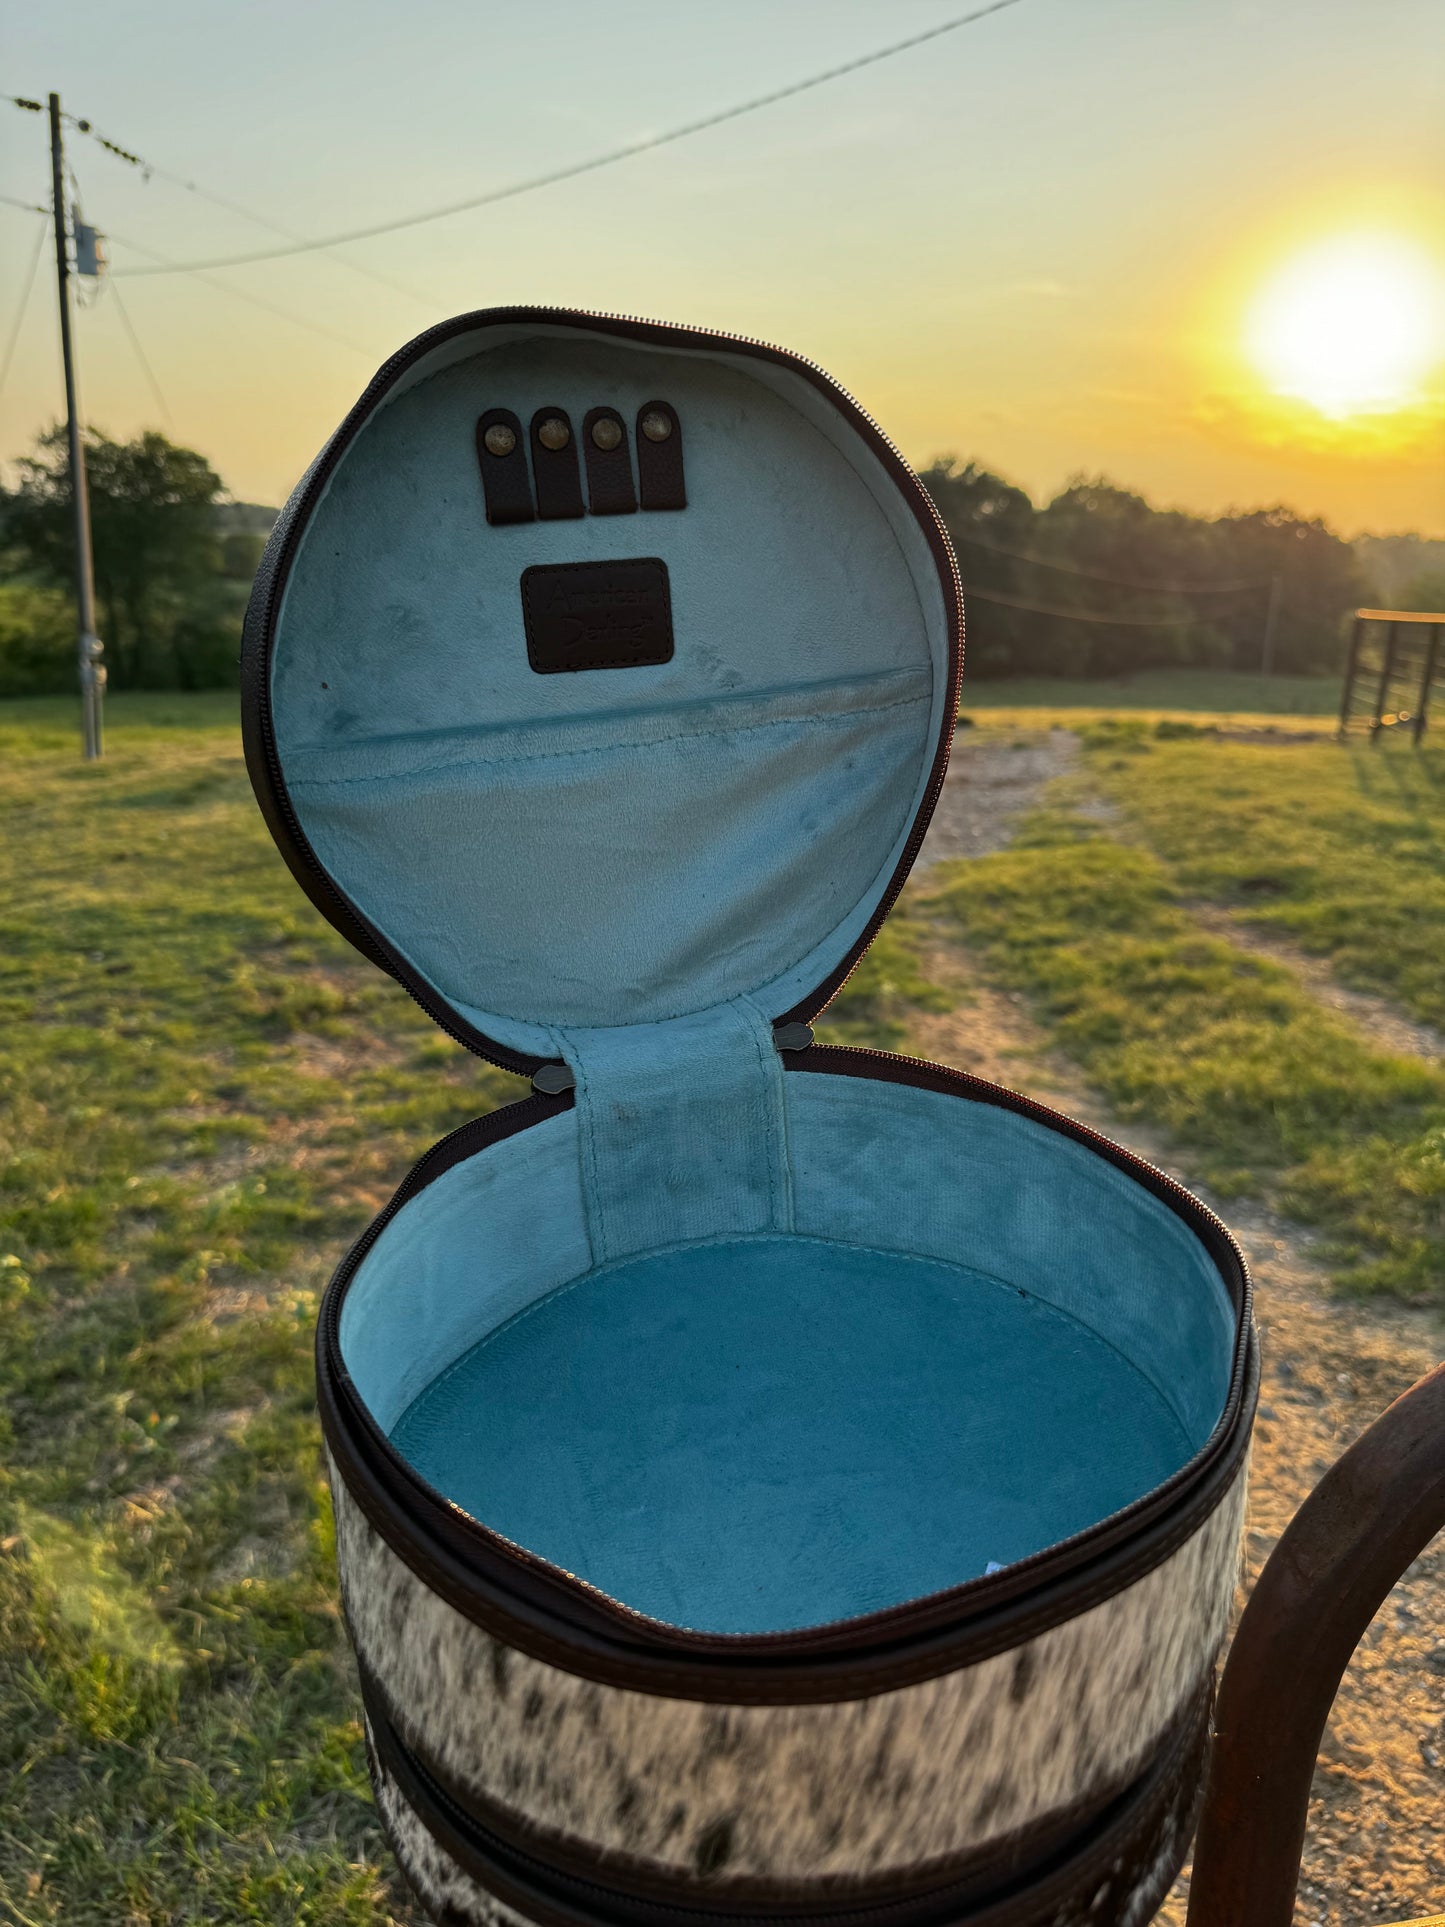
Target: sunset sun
x,y
1351,325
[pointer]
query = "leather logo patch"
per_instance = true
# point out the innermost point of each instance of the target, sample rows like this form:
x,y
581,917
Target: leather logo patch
x,y
597,615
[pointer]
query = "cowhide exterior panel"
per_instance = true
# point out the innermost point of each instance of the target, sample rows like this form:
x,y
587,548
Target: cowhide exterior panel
x,y
1123,1888
926,1773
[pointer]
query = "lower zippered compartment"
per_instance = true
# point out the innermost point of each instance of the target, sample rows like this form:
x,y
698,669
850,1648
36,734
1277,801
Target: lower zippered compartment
x,y
552,1614
1115,1838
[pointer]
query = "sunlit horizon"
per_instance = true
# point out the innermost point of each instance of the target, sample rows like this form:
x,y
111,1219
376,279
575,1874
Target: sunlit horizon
x,y
1168,246
1353,325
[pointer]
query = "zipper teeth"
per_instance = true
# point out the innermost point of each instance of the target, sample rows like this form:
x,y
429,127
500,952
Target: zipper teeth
x,y
435,1007
804,1639
1107,1830
472,1040
548,1876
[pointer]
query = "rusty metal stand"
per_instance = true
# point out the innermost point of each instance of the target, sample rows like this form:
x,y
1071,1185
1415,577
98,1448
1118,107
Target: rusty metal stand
x,y
1370,1516
1427,676
1352,663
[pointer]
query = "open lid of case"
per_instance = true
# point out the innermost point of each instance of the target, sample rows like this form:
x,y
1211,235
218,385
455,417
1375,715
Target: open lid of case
x,y
606,729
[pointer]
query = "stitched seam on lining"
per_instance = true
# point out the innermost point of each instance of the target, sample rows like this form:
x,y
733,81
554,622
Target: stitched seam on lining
x,y
607,749
594,1210
771,1101
780,1158
846,691
1103,1179
751,1237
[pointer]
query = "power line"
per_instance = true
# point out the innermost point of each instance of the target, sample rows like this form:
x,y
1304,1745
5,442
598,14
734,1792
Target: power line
x,y
243,294
648,144
24,303
149,168
1075,615
165,266
1115,581
140,355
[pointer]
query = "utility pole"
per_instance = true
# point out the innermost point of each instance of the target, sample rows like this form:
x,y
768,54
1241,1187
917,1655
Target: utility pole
x,y
1266,662
89,646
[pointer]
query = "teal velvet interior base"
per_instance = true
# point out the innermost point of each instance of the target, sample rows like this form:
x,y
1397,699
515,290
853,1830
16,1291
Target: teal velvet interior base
x,y
773,1432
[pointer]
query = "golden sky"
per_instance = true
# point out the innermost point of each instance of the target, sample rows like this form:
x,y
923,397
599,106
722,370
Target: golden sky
x,y
1198,247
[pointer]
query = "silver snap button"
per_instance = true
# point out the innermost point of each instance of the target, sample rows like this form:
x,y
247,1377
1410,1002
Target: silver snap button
x,y
656,426
606,433
499,439
554,433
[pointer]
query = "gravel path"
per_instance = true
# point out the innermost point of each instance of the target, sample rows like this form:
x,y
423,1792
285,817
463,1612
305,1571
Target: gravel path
x,y
1386,1026
1376,1845
990,784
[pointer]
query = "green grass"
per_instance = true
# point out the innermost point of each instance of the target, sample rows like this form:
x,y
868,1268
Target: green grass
x,y
1339,848
40,726
203,1095
1161,692
1227,1054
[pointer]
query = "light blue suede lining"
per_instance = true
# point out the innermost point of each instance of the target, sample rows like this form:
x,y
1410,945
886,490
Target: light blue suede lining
x,y
681,1128
748,1436
749,1350
625,846
1068,1338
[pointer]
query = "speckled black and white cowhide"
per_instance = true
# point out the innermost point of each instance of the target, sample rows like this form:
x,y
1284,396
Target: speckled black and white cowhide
x,y
950,1776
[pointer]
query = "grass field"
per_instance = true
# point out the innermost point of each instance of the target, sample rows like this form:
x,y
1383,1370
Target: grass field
x,y
204,1094
1341,850
1226,1053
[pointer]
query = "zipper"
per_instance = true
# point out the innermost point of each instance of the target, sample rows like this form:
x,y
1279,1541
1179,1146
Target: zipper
x,y
531,1583
321,887
561,1616
1075,1849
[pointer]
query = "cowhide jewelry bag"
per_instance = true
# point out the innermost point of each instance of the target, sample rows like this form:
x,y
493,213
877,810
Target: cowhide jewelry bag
x,y
772,1481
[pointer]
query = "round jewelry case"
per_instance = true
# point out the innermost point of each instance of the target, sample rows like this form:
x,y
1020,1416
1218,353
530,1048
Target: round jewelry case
x,y
772,1480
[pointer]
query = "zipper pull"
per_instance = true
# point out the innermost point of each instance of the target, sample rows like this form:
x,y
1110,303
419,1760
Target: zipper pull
x,y
792,1036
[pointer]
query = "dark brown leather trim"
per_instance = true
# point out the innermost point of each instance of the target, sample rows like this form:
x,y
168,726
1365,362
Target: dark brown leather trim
x,y
505,483
555,1617
660,480
524,1603
1139,1837
556,472
983,1866
609,470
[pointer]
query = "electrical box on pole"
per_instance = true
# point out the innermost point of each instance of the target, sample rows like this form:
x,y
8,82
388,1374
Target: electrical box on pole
x,y
89,248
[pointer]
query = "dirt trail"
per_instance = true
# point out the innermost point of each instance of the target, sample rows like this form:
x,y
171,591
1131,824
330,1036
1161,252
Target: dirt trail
x,y
1384,1024
990,785
1376,1845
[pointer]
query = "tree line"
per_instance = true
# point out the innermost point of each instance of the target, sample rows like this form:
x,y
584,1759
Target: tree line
x,y
173,557
1097,582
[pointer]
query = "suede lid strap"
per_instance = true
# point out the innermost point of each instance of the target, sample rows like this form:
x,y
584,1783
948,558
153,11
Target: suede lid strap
x,y
682,1129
